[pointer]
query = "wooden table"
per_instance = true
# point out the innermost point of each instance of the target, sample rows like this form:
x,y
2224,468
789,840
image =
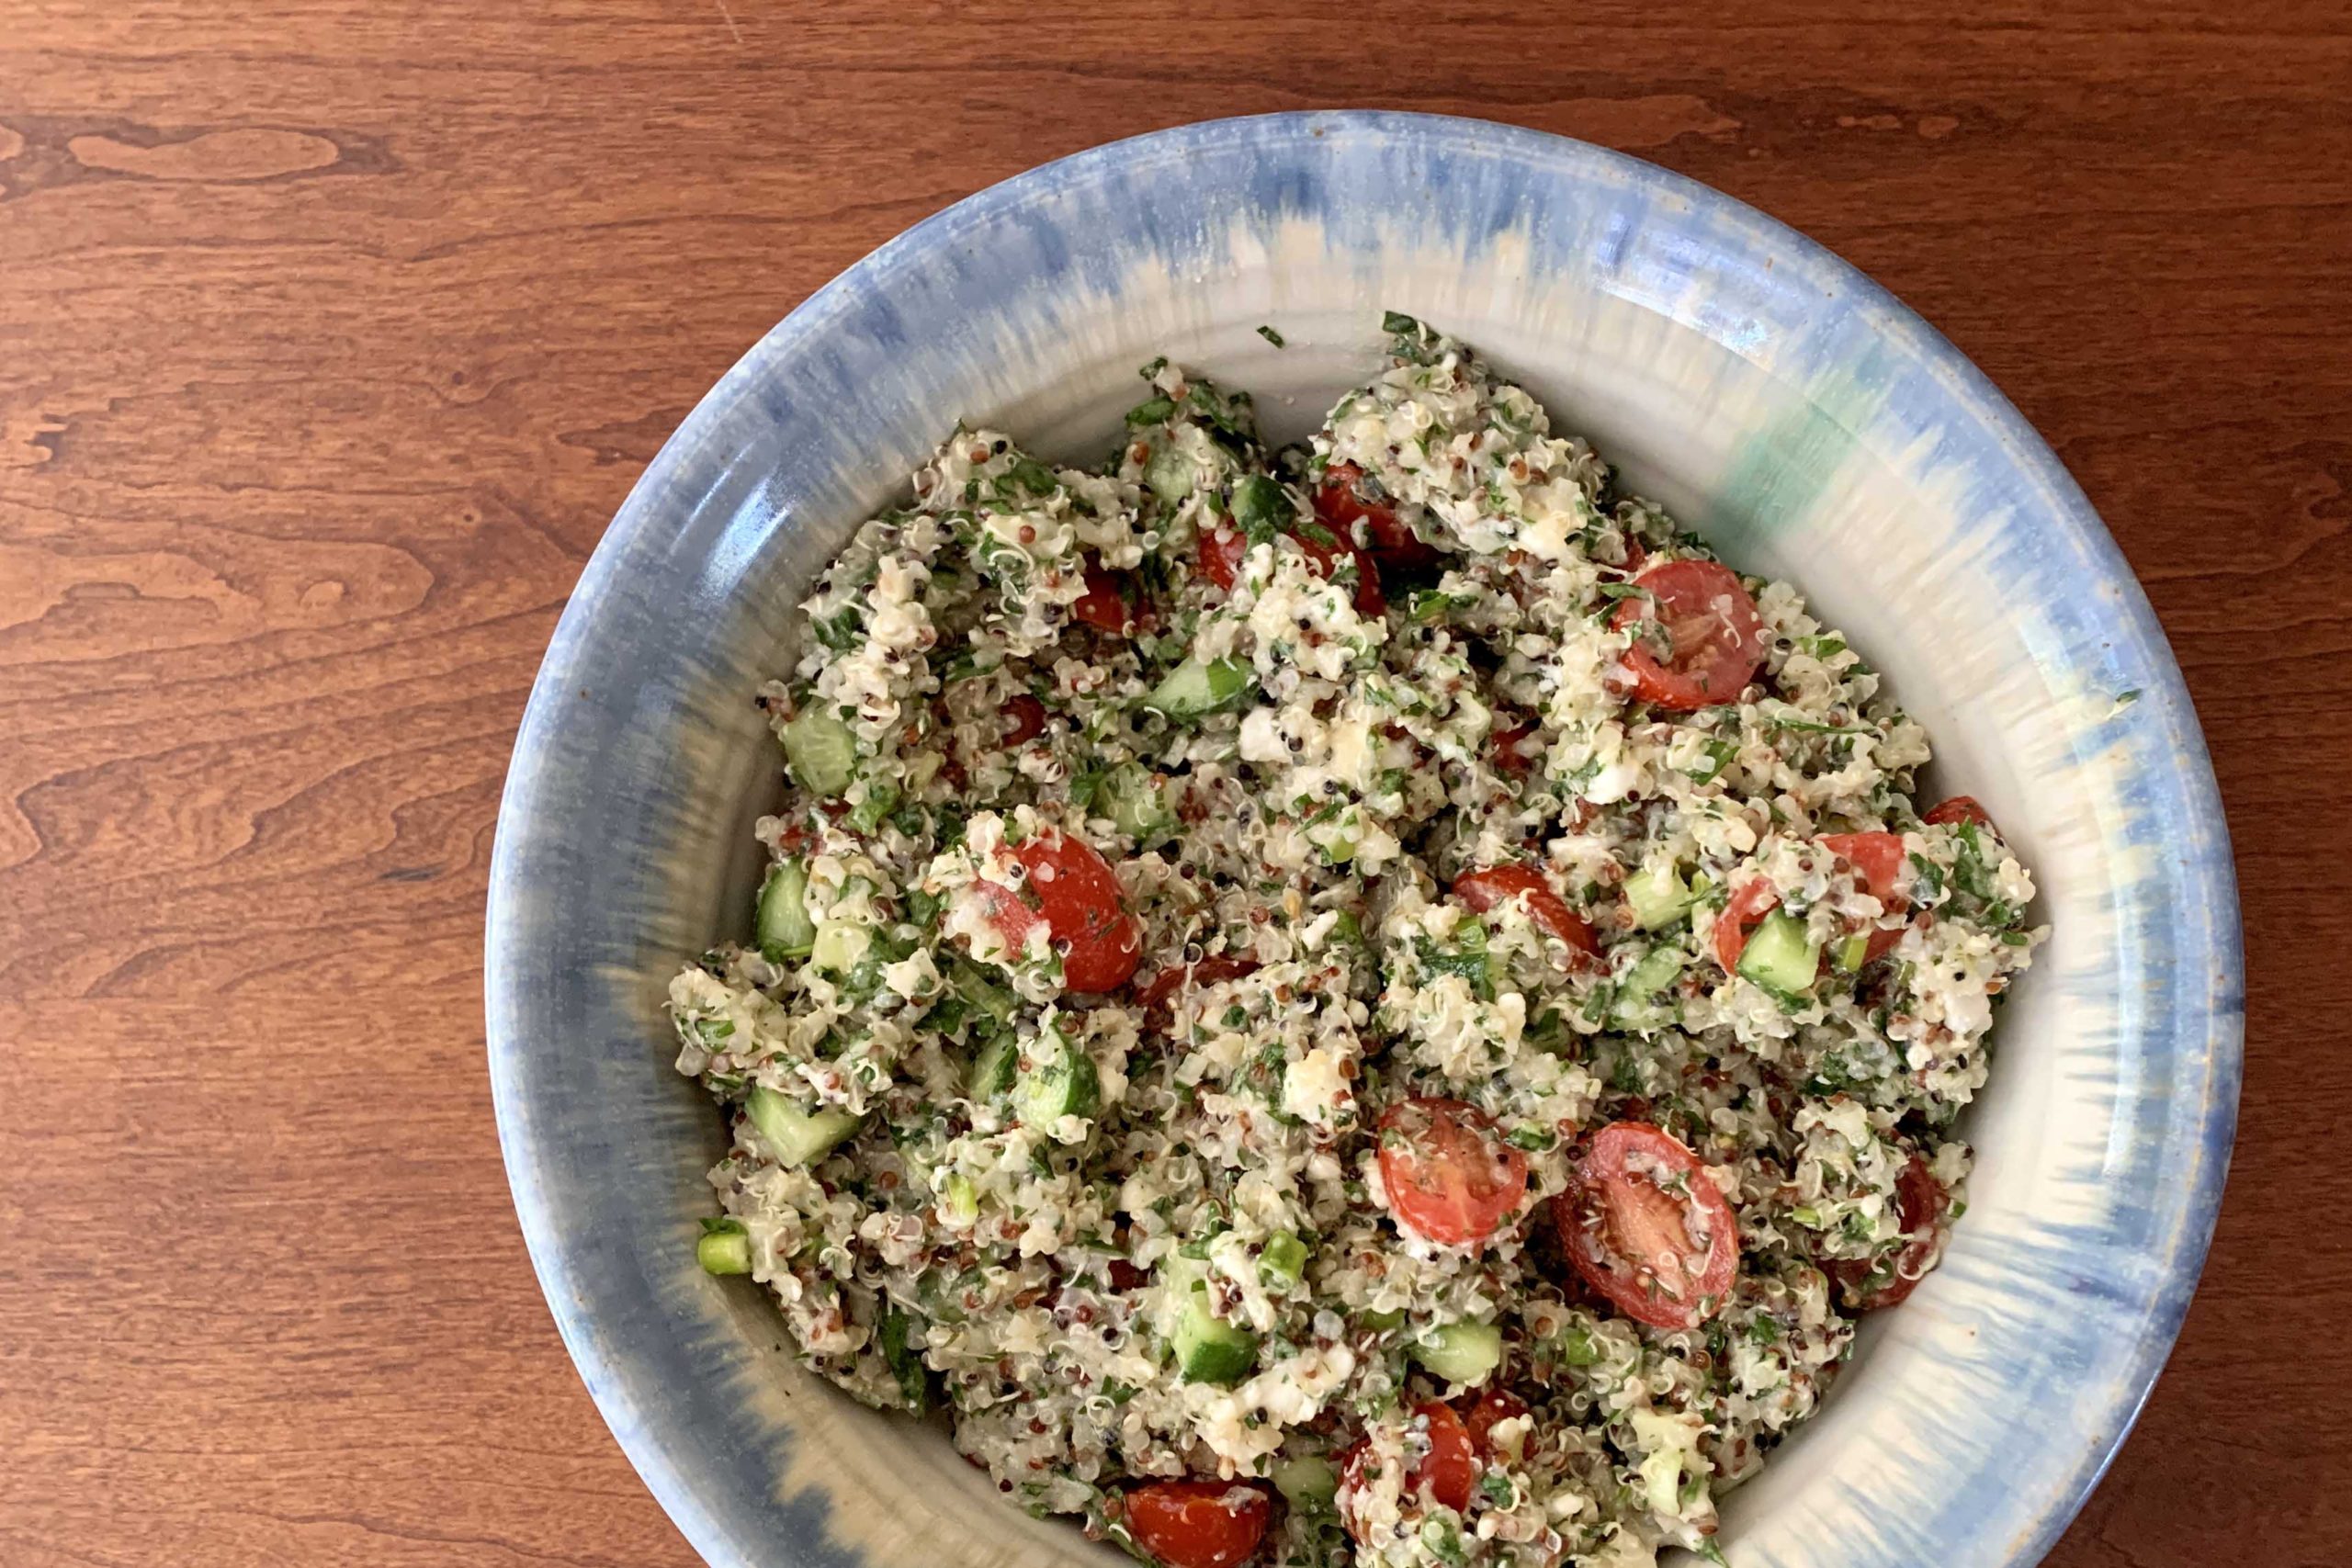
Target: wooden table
x,y
331,335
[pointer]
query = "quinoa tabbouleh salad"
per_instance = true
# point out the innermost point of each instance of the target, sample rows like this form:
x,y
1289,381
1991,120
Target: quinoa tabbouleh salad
x,y
1370,1003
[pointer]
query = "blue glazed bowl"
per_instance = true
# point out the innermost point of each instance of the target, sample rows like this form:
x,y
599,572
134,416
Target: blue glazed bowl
x,y
1760,387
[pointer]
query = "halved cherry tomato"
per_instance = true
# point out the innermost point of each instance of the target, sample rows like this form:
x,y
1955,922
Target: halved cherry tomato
x,y
1920,1201
1446,1473
1749,903
1157,990
1502,749
1880,857
1958,809
1482,890
1077,895
1342,503
1104,604
1449,1177
1222,550
1661,1258
1493,1409
1024,719
1327,548
1199,1524
1221,553
1713,638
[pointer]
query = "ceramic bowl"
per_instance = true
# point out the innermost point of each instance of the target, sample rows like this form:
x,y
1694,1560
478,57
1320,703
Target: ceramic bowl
x,y
1768,393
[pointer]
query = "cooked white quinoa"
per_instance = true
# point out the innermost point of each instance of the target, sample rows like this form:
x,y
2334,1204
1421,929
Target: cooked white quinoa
x,y
1145,1231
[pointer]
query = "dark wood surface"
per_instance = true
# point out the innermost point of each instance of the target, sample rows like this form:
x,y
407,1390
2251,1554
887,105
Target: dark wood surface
x,y
332,332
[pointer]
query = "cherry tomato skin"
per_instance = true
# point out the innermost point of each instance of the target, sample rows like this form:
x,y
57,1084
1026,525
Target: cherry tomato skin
x,y
1448,1471
1717,638
1630,1239
1340,504
1158,990
1222,550
1747,908
1326,553
1077,895
1103,606
1448,1177
1958,809
1024,719
1503,749
1493,1408
1482,890
1920,1202
1221,553
1880,857
1199,1524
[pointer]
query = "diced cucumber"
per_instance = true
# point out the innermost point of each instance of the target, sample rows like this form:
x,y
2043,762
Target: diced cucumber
x,y
1781,956
981,994
785,928
1306,1482
1260,507
1060,1083
992,1070
724,1248
1658,968
798,1135
1208,1349
1195,689
1637,1005
1657,895
1382,1321
1134,796
959,1203
1281,1264
820,750
839,944
1169,473
1465,1353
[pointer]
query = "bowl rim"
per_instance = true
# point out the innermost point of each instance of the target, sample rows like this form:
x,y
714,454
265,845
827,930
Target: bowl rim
x,y
2211,873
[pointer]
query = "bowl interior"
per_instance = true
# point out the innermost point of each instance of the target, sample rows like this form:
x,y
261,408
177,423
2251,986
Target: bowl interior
x,y
1811,427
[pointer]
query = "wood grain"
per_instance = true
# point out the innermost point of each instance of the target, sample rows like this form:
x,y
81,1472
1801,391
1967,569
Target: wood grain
x,y
332,332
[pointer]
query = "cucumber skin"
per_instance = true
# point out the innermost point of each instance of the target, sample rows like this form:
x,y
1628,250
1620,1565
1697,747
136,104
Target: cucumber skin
x,y
1190,691
1067,1085
1779,956
820,751
798,1136
1260,505
1658,896
993,1068
1637,1005
1307,1481
1210,1351
1137,800
724,1252
783,924
1465,1353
